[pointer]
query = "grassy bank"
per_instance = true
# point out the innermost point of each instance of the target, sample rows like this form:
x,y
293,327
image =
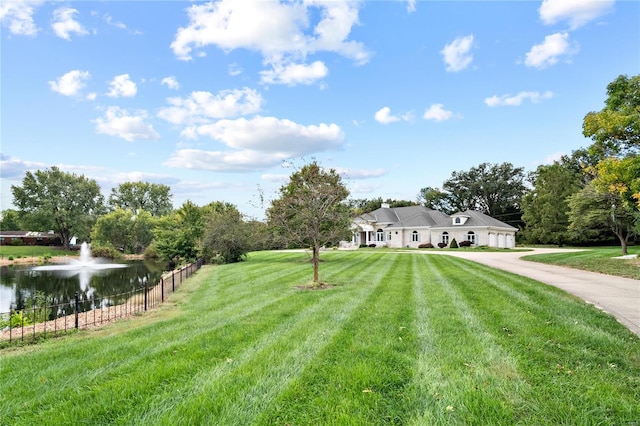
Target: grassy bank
x,y
34,251
398,339
599,259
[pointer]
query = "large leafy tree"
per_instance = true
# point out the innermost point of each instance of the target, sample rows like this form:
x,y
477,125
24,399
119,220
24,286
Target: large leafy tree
x,y
227,237
178,236
545,207
359,206
435,199
151,197
10,220
494,189
615,129
595,210
311,211
64,202
124,230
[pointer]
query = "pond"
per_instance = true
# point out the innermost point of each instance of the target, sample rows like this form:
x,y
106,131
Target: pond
x,y
20,283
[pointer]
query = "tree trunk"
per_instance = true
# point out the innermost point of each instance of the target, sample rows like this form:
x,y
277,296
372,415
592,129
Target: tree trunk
x,y
623,243
316,263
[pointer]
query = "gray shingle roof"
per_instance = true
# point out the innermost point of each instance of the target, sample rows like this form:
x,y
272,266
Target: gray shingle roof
x,y
418,216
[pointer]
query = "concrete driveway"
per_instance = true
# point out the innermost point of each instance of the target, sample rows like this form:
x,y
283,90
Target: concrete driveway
x,y
618,296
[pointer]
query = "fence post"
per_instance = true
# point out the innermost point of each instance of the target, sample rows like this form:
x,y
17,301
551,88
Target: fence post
x,y
146,289
10,322
76,307
162,286
173,281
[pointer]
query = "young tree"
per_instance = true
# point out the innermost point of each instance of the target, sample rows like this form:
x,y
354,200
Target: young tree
x,y
545,208
66,203
615,129
311,210
151,197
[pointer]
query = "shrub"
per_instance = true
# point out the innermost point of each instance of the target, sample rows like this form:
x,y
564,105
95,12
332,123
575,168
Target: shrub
x,y
442,245
464,244
425,245
106,251
151,252
363,246
372,245
454,244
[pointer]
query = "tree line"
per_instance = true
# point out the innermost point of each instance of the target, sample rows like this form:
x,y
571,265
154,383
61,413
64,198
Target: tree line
x,y
588,196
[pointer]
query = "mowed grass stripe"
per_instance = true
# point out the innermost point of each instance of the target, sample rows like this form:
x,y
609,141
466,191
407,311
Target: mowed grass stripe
x,y
562,347
236,393
360,377
401,339
463,375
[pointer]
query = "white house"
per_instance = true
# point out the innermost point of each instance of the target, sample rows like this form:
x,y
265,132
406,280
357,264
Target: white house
x,y
415,225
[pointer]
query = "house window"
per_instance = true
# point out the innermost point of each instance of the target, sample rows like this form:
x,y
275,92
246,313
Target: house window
x,y
389,236
415,237
457,221
471,237
445,238
379,235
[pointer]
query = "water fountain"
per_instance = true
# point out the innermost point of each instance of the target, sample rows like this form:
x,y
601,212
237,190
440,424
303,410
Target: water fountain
x,y
84,262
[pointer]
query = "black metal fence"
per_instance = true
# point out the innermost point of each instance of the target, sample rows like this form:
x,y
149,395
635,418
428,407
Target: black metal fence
x,y
46,318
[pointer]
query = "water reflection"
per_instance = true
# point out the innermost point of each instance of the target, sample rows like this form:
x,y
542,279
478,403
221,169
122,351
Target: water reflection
x,y
18,283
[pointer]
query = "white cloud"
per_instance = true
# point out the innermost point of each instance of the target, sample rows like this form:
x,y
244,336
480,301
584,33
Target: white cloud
x,y
384,116
256,144
71,83
64,25
411,6
201,107
437,112
118,122
235,69
171,82
121,85
552,158
109,20
275,178
12,168
364,188
270,134
221,161
576,12
456,54
508,100
360,173
280,31
548,52
292,74
92,96
18,16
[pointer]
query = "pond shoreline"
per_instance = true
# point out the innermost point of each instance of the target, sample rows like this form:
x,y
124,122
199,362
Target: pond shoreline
x,y
38,260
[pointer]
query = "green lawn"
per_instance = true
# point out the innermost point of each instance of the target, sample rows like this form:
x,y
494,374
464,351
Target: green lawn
x,y
36,251
401,338
599,259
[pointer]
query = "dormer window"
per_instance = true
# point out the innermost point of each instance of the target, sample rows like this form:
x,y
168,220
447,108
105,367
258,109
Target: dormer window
x,y
460,220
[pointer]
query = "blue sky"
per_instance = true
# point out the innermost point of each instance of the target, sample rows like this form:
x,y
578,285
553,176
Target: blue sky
x,y
214,98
